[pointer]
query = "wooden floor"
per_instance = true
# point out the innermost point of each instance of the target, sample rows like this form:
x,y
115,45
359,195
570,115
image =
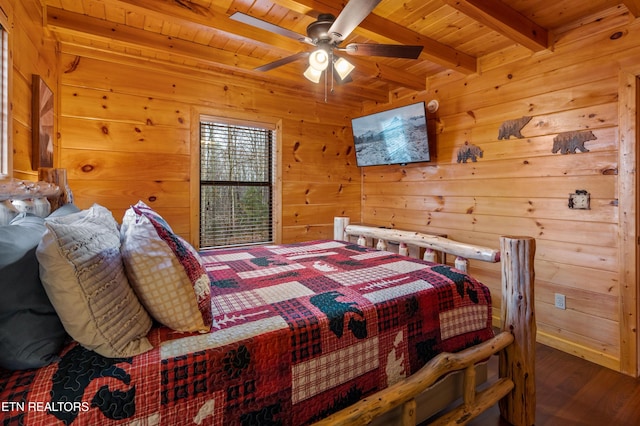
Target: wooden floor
x,y
571,391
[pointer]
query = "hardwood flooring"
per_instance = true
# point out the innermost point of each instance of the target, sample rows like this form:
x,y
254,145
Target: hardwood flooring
x,y
573,392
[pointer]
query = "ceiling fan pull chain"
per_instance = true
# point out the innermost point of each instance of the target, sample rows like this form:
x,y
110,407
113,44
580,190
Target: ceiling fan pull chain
x,y
333,80
326,78
333,70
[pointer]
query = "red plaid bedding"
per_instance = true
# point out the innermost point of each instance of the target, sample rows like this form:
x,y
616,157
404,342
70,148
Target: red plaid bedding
x,y
299,332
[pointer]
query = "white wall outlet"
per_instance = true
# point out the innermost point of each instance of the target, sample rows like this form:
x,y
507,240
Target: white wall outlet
x,y
560,301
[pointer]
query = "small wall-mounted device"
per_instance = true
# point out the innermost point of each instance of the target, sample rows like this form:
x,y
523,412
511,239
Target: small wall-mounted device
x,y
579,200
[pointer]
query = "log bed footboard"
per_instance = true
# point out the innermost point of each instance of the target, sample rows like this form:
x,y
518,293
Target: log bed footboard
x,y
515,344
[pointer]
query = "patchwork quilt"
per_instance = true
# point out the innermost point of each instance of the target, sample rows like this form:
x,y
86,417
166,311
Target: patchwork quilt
x,y
299,332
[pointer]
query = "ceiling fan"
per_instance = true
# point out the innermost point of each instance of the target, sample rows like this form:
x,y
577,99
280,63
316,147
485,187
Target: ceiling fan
x,y
326,34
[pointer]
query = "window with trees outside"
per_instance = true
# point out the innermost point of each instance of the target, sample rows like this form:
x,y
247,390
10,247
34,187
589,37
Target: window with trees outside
x,y
236,184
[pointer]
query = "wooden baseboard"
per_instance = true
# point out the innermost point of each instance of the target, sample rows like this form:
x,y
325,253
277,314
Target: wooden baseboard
x,y
580,351
572,348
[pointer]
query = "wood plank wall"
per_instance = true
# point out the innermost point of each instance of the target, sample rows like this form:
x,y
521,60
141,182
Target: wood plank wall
x,y
125,133
519,187
127,130
31,53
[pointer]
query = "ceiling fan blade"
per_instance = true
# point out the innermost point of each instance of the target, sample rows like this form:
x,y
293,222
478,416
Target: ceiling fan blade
x,y
351,16
283,61
267,26
387,50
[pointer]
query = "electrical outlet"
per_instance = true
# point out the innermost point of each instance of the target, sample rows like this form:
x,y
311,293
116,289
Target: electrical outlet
x,y
561,301
579,200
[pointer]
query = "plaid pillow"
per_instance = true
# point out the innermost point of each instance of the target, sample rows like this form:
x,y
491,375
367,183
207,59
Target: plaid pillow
x,y
165,271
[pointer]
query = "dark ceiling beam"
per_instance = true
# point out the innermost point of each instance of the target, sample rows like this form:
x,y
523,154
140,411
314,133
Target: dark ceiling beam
x,y
505,20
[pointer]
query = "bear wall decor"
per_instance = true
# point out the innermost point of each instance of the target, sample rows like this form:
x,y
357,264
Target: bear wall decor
x,y
469,152
513,128
571,142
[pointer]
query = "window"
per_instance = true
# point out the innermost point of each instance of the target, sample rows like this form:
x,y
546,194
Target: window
x,y
236,184
5,148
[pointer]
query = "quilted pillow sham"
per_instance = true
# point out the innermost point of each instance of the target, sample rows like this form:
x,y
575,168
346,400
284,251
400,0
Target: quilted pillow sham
x,y
82,272
165,271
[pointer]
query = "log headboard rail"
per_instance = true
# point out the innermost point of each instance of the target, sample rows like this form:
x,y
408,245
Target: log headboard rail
x,y
434,242
514,390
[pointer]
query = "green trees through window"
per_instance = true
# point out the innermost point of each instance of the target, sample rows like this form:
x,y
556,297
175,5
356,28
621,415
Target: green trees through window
x,y
236,184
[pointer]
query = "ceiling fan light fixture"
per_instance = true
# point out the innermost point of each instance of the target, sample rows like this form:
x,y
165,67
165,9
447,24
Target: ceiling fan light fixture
x,y
319,60
313,74
343,67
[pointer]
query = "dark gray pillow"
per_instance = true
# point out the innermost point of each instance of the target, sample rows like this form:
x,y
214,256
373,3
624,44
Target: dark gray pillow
x,y
31,334
64,210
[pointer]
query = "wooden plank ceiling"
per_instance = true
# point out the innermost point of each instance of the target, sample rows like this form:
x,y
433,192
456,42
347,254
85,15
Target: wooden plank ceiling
x,y
200,34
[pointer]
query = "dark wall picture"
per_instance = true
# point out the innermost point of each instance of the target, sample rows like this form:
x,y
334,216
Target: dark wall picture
x,y
396,136
42,129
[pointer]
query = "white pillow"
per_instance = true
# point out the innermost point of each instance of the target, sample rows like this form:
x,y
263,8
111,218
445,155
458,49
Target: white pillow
x,y
82,272
166,273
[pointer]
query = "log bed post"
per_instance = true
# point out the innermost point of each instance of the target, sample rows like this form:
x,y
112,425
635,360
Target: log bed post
x,y
58,177
517,361
340,224
515,389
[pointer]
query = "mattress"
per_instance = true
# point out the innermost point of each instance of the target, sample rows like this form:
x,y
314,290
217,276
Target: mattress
x,y
299,331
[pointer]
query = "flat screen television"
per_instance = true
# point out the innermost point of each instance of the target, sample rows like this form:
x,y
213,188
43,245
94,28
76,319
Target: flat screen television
x,y
397,136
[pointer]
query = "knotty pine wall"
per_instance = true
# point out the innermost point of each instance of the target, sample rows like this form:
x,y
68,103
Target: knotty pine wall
x,y
129,131
126,132
519,187
31,52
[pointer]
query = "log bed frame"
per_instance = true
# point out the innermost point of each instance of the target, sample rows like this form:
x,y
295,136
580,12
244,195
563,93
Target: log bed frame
x,y
515,344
